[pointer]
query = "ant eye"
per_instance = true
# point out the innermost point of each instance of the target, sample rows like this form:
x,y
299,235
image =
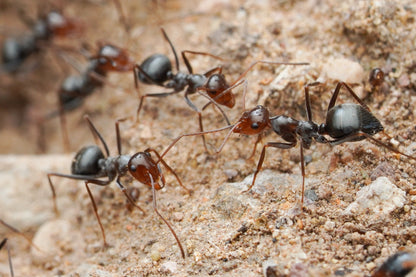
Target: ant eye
x,y
254,126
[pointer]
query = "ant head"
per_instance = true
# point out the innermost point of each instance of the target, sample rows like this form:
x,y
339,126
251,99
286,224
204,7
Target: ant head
x,y
253,122
158,67
86,161
376,77
141,166
59,25
216,88
113,58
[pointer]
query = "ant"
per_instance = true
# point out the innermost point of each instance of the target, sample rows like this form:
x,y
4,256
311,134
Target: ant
x,y
52,24
157,70
347,122
77,87
398,265
91,165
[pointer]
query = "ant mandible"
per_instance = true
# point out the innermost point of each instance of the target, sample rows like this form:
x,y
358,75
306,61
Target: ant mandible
x,y
347,122
91,165
397,265
75,88
157,70
53,24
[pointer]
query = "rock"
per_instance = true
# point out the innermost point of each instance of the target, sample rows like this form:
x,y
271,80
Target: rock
x,y
381,196
54,240
344,70
26,198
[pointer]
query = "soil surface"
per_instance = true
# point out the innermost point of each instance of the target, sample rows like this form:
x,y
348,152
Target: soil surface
x,y
359,197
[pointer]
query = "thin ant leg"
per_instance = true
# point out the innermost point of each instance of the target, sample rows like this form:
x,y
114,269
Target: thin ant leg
x,y
74,177
2,244
376,141
96,213
169,168
20,234
280,145
95,133
302,167
336,92
163,219
189,135
122,16
217,69
188,64
172,47
308,100
259,138
162,94
124,190
226,137
65,136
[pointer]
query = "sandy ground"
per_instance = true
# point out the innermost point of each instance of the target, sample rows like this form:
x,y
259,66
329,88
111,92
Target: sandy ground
x,y
359,198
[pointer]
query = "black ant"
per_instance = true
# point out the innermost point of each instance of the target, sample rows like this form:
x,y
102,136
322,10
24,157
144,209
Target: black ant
x,y
344,123
53,24
157,70
77,87
398,265
91,165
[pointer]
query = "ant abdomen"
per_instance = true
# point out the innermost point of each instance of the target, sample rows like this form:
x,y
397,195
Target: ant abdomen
x,y
86,162
349,119
157,67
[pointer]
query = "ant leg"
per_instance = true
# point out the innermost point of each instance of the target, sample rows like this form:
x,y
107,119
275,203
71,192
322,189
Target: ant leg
x,y
74,177
2,244
302,167
124,190
172,47
96,213
201,126
362,135
163,219
169,168
308,100
20,234
188,64
259,138
213,102
96,134
64,130
280,145
162,94
189,135
353,94
122,16
212,71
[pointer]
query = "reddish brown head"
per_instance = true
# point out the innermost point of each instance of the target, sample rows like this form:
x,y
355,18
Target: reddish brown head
x,y
113,58
62,26
216,87
141,166
253,122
